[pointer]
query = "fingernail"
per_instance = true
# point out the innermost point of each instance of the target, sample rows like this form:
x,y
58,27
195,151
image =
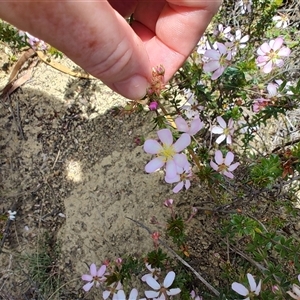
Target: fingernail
x,y
133,88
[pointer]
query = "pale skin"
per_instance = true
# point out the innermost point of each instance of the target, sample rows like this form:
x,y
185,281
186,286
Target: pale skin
x,y
95,35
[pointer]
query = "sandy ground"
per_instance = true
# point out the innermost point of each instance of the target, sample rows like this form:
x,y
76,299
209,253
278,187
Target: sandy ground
x,y
75,168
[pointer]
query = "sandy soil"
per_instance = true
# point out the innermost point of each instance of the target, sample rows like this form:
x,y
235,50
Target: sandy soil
x,y
73,167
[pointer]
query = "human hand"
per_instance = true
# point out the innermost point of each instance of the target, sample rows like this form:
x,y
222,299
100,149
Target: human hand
x,y
96,36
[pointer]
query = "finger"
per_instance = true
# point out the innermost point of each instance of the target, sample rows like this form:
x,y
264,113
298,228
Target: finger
x,y
125,7
92,34
173,35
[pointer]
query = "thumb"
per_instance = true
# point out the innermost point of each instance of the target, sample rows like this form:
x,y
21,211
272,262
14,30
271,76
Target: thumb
x,y
113,52
93,35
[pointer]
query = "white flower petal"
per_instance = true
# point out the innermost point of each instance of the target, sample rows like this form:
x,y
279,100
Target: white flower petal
x,y
222,122
166,137
240,289
152,146
181,124
178,187
219,157
87,277
196,125
93,270
152,283
169,279
296,289
221,138
214,165
258,288
182,142
218,73
187,184
121,295
171,169
211,66
181,160
151,294
133,294
217,130
173,292
88,286
252,282
101,271
154,164
228,139
233,166
105,294
292,295
228,174
268,67
229,158
172,180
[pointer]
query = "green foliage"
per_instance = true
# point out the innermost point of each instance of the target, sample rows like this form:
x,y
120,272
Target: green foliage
x,y
160,122
175,229
130,266
55,53
271,251
296,151
42,266
242,226
183,280
157,258
10,36
114,277
266,171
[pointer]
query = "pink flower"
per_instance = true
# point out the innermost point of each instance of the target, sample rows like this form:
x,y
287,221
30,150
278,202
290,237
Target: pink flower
x,y
192,106
272,95
237,42
35,43
282,21
132,296
203,45
224,165
219,60
167,152
242,290
94,277
162,291
259,104
295,293
153,105
272,89
222,32
245,128
245,5
112,290
275,289
11,215
191,127
270,55
194,296
168,202
184,173
225,131
154,272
